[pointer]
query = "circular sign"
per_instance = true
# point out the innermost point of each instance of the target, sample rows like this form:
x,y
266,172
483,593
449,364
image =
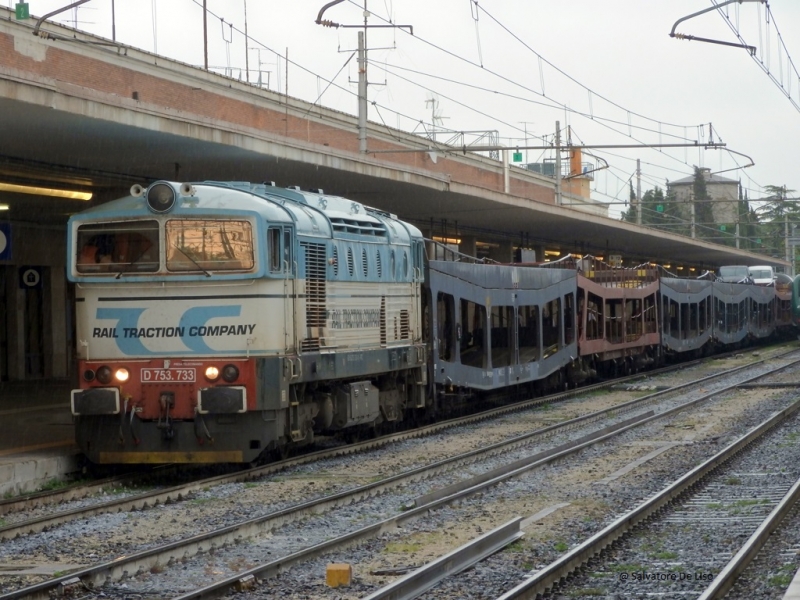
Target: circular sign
x,y
3,242
31,277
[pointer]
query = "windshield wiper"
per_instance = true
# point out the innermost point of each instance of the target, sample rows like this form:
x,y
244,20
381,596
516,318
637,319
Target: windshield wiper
x,y
194,262
127,266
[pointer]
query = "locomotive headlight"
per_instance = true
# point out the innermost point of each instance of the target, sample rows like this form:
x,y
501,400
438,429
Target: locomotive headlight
x,y
88,375
212,373
230,373
121,375
104,375
160,197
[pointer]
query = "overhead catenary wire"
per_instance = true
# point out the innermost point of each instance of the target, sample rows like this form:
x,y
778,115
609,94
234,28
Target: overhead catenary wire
x,y
330,83
474,86
483,68
764,42
590,115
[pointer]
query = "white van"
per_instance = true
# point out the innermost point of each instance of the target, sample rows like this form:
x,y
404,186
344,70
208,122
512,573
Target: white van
x,y
762,275
734,274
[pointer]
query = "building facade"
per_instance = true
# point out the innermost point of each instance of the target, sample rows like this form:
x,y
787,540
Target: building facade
x,y
723,192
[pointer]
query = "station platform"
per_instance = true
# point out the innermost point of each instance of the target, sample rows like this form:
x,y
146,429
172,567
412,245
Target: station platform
x,y
37,443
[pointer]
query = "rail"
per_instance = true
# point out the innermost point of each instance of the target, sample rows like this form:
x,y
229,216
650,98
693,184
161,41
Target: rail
x,y
724,581
549,576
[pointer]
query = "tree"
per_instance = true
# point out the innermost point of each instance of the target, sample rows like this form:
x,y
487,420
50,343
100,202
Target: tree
x,y
662,212
777,215
703,214
630,214
748,223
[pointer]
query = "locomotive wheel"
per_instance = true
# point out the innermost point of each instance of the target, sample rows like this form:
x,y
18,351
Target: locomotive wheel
x,y
281,452
353,435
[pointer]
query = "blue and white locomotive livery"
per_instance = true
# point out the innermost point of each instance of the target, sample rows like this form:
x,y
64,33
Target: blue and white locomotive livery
x,y
220,322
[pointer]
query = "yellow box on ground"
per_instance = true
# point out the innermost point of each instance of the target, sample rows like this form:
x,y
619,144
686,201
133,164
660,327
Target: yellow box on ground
x,y
339,574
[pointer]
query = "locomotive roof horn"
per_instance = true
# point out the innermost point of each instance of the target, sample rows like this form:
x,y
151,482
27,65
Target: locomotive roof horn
x,y
137,191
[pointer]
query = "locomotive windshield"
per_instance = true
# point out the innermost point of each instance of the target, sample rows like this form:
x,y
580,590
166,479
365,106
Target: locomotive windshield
x,y
121,247
194,245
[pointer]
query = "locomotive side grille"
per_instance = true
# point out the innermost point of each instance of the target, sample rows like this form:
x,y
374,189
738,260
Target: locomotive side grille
x,y
358,227
315,294
335,262
383,320
405,325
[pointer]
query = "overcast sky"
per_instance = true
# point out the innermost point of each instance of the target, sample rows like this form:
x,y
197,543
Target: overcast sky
x,y
608,70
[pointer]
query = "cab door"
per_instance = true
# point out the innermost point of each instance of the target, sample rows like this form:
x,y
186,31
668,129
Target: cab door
x,y
283,267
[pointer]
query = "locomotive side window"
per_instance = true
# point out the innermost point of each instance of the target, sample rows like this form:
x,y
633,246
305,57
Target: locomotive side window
x,y
200,245
115,248
274,243
287,250
280,257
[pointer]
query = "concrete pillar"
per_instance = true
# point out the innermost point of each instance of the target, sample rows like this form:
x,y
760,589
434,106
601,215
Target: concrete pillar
x,y
56,325
5,311
539,253
468,245
429,246
504,253
16,327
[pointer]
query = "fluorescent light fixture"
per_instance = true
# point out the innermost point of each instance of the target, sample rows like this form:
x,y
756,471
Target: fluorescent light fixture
x,y
43,191
3,206
446,240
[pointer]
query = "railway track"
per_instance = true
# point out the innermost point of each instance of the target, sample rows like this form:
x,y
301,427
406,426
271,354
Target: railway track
x,y
156,559
87,489
131,500
769,562
711,507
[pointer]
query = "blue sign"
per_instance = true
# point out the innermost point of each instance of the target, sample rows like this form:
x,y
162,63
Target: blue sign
x,y
5,241
30,278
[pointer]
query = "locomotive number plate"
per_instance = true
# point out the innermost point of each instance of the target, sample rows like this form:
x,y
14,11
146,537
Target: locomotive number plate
x,y
173,375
